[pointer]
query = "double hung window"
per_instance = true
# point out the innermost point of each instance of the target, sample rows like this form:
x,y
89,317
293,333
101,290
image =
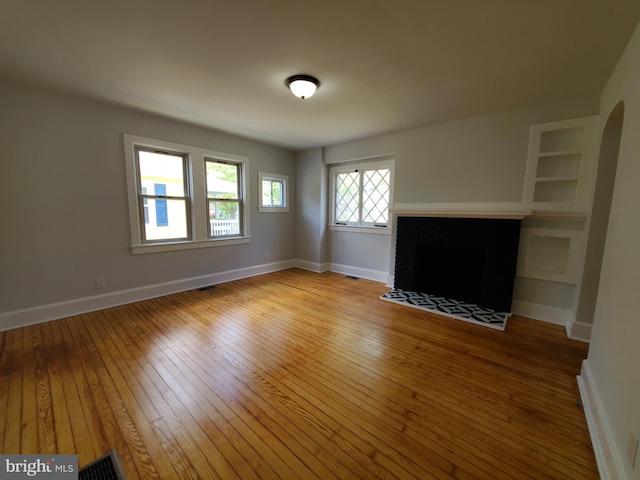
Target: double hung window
x,y
183,197
224,199
361,194
163,195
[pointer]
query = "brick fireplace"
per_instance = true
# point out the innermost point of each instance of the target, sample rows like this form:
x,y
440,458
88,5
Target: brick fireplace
x,y
466,259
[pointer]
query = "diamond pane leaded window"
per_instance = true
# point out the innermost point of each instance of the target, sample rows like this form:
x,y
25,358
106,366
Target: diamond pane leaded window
x,y
347,197
375,196
362,195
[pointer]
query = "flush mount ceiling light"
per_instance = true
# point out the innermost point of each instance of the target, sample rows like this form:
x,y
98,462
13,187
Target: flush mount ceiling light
x,y
302,86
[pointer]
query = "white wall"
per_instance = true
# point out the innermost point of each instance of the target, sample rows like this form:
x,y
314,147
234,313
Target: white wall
x,y
311,217
611,374
363,255
481,159
64,216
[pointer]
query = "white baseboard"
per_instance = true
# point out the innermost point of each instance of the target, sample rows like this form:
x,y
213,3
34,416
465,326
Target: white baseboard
x,y
54,311
313,266
557,316
343,269
610,465
575,330
579,331
536,311
374,275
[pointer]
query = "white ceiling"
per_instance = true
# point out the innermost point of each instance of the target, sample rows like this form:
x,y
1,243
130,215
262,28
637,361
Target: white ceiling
x,y
385,65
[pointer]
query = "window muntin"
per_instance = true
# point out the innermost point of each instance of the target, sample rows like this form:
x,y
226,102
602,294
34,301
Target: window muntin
x,y
273,192
224,200
362,194
145,206
165,211
376,187
347,198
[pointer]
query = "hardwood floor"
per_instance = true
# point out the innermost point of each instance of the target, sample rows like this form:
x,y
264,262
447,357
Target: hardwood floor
x,y
296,375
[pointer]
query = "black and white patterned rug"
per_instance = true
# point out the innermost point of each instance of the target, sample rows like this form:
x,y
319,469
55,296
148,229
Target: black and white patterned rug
x,y
468,312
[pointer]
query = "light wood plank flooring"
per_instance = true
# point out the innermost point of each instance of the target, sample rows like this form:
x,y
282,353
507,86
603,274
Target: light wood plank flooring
x,y
296,375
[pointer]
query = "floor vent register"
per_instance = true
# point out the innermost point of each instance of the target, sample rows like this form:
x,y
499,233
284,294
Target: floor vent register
x,y
106,467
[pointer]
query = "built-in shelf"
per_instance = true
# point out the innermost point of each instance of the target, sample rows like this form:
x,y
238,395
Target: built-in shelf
x,y
560,164
549,254
559,184
555,190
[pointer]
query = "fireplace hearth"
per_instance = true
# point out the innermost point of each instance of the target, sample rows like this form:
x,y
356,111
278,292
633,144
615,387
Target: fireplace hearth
x,y
471,260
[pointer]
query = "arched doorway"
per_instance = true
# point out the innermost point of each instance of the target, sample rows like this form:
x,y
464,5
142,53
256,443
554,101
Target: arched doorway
x,y
599,223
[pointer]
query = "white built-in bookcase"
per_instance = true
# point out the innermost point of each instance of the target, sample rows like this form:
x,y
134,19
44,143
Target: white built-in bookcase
x,y
559,185
561,165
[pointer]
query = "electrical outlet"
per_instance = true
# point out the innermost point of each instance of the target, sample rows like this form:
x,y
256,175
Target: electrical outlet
x,y
632,449
266,256
101,282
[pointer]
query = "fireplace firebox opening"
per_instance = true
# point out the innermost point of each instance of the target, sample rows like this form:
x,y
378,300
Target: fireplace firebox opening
x,y
450,272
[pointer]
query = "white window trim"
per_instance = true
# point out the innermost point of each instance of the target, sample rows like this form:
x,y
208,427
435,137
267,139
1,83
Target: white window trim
x,y
360,165
240,200
199,227
360,229
285,180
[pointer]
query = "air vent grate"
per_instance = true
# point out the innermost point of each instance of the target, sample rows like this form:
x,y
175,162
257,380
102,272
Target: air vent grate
x,y
106,467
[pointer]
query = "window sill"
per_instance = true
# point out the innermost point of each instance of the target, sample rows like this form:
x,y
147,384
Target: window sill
x,y
273,209
171,247
357,229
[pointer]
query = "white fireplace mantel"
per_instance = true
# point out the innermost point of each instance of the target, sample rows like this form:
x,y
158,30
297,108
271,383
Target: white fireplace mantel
x,y
500,210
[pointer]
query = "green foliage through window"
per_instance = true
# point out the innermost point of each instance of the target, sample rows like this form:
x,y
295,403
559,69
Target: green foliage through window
x,y
223,197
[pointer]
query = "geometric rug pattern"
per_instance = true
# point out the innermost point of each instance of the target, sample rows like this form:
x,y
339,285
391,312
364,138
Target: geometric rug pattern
x,y
467,312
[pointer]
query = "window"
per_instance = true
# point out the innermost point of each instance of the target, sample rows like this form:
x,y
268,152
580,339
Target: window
x,y
164,174
272,191
183,197
224,200
361,194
